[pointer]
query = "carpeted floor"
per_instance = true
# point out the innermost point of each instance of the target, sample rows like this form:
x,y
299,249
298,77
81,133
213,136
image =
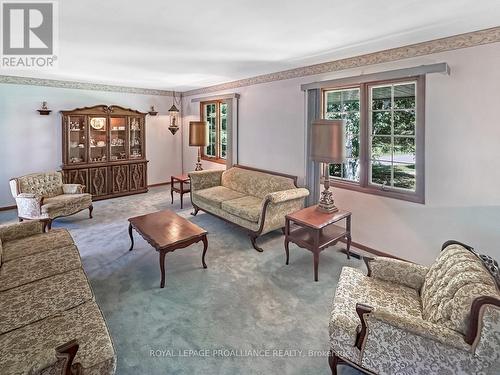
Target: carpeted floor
x,y
237,314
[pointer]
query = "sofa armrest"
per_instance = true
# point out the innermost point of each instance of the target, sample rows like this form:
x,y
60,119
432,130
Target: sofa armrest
x,y
381,319
287,195
10,232
29,205
205,179
73,189
397,271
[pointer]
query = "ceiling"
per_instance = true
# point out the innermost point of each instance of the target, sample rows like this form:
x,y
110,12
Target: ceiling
x,y
184,45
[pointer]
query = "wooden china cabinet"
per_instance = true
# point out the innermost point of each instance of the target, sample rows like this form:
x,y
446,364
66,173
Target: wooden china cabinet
x,y
104,149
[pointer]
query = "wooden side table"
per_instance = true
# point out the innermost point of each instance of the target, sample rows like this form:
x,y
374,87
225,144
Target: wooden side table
x,y
317,231
184,186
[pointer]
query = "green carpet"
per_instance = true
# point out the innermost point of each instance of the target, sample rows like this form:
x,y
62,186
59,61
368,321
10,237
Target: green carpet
x,y
248,313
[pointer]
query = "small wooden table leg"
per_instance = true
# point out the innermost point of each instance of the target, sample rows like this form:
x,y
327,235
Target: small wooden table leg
x,y
287,232
348,237
131,237
172,189
205,247
316,264
162,268
182,191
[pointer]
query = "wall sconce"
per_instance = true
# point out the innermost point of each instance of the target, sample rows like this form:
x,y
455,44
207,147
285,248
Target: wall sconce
x,y
44,111
174,114
152,111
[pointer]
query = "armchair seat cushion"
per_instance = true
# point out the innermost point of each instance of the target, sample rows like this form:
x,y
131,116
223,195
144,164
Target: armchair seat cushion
x,y
354,287
65,204
31,348
248,207
214,196
24,270
42,242
43,298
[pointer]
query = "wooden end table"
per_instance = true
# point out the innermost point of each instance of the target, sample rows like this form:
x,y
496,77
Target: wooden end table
x,y
317,231
166,232
184,186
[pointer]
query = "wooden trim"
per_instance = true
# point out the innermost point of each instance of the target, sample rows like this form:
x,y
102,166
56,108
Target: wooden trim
x,y
477,307
371,251
294,178
67,353
362,310
455,242
159,184
7,208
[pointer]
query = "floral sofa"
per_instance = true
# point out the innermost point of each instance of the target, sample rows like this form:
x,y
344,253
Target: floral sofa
x,y
404,318
49,320
254,199
44,196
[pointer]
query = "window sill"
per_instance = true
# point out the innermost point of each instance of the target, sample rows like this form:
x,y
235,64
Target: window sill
x,y
409,197
214,160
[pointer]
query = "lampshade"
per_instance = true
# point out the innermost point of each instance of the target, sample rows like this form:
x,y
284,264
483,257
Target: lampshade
x,y
198,135
328,141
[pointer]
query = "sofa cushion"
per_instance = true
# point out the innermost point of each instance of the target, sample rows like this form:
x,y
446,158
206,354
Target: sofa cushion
x,y
31,348
248,207
55,238
43,184
354,287
65,204
43,298
216,195
38,266
255,183
451,285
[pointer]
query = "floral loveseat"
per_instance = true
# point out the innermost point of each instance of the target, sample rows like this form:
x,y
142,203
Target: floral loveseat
x,y
405,318
44,196
49,321
254,199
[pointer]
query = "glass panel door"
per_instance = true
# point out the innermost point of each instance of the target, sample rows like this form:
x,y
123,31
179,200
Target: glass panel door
x,y
77,141
98,140
118,132
135,138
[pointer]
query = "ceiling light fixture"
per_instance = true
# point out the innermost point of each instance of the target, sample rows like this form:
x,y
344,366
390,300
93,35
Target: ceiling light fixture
x,y
174,113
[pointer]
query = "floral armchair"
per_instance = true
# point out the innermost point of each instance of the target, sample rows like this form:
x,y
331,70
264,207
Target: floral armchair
x,y
404,318
44,196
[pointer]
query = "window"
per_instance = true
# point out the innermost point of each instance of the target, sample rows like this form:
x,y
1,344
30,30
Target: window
x,y
384,137
215,114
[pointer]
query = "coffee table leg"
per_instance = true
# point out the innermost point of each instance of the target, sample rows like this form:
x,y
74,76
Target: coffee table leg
x,y
131,237
172,189
162,268
316,263
205,247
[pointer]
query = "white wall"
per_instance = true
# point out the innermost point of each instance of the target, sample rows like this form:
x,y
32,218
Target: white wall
x,y
462,154
32,143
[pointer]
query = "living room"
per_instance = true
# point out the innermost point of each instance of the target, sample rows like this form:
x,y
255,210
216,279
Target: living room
x,y
245,146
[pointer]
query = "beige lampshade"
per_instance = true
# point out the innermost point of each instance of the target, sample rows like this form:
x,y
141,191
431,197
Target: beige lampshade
x,y
198,134
328,141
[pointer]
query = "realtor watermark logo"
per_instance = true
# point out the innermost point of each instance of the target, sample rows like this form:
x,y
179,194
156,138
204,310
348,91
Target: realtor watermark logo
x,y
29,34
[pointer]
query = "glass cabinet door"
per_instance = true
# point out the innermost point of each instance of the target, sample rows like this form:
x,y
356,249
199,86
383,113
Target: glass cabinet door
x,y
117,142
98,144
136,137
77,152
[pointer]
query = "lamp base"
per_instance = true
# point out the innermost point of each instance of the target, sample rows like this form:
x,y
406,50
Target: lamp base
x,y
198,167
326,203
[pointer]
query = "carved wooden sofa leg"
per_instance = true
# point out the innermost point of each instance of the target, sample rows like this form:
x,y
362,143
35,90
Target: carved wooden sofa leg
x,y
333,361
195,212
253,239
46,225
66,353
91,208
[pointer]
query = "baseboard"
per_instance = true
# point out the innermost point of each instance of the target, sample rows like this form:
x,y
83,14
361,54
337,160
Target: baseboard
x,y
159,184
370,250
7,208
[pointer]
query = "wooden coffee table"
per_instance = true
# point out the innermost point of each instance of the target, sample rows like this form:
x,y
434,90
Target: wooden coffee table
x,y
317,231
166,232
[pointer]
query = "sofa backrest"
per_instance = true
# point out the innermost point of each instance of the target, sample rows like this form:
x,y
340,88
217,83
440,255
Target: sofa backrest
x,y
453,282
48,184
255,183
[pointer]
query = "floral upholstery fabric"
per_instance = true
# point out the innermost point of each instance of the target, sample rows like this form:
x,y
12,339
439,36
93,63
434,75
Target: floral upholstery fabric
x,y
15,231
205,179
24,270
287,195
29,206
354,287
452,283
398,271
216,195
41,184
248,207
255,183
31,348
37,243
43,298
65,205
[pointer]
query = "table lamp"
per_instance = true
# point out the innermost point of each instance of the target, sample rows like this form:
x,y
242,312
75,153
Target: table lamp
x,y
327,146
198,136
